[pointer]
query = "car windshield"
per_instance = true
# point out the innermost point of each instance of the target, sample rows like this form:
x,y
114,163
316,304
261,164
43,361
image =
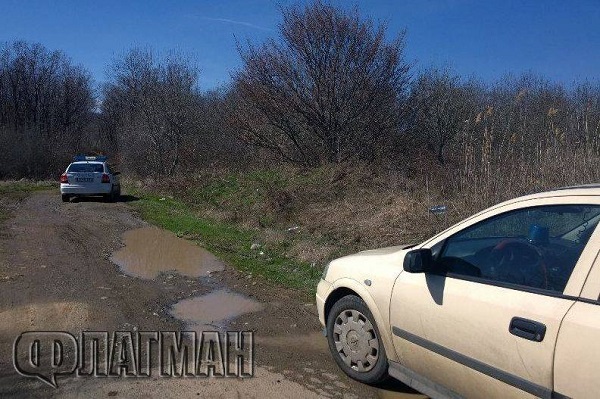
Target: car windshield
x,y
559,220
86,167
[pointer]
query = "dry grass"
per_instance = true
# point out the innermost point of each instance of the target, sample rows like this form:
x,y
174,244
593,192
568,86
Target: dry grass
x,y
340,209
312,215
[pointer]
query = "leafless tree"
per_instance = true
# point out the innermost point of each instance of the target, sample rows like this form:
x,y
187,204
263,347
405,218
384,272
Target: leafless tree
x,y
329,89
441,106
149,107
585,113
159,120
46,105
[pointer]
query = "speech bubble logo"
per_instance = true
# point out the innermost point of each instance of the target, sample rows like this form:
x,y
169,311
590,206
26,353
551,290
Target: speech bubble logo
x,y
45,354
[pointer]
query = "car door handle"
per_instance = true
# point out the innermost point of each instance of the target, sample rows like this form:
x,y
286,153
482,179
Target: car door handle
x,y
527,329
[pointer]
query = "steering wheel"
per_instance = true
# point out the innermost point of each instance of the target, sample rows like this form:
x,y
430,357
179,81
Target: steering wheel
x,y
519,262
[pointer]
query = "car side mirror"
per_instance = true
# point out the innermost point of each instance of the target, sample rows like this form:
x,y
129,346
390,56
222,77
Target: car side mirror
x,y
418,261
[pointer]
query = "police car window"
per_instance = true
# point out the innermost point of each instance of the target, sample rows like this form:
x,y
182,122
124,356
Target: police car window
x,y
86,167
534,247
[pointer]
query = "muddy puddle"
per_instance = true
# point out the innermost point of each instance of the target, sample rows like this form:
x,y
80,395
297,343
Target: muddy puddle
x,y
211,311
149,251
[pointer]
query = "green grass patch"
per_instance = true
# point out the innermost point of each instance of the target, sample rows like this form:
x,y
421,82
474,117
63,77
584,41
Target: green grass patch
x,y
25,186
229,242
238,190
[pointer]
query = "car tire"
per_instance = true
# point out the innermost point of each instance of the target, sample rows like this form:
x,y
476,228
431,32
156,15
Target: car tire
x,y
355,342
110,197
65,197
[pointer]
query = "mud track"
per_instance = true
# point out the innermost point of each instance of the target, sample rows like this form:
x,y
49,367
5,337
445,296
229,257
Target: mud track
x,y
56,274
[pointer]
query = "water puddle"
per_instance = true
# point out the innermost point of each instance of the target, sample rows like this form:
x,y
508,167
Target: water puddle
x,y
210,311
149,251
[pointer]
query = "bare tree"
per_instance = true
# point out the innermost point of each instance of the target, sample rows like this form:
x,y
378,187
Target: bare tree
x,y
159,121
330,89
150,106
585,114
441,106
46,105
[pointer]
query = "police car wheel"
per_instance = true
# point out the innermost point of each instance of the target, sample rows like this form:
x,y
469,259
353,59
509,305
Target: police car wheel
x,y
109,197
65,198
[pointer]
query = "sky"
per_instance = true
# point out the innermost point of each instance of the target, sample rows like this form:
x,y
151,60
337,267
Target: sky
x,y
486,39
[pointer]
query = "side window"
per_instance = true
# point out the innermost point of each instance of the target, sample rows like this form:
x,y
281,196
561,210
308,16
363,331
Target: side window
x,y
534,247
108,169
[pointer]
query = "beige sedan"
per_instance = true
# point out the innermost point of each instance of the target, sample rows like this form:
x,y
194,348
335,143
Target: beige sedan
x,y
504,304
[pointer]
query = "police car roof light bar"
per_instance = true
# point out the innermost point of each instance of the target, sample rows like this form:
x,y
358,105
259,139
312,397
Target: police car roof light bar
x,y
98,158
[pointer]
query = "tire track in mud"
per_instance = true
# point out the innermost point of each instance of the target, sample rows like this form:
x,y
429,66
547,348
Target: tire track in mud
x,y
56,273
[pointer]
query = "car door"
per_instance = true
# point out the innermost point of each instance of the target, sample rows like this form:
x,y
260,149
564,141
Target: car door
x,y
577,356
485,324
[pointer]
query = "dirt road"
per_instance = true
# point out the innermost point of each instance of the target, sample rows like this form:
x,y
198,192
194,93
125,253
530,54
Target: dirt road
x,y
56,273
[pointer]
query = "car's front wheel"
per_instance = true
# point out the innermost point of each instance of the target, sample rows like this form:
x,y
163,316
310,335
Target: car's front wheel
x,y
65,197
354,341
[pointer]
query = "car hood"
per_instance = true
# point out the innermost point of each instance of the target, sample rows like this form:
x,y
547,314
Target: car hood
x,y
383,251
372,262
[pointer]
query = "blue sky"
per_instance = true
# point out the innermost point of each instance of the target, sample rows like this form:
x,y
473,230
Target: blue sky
x,y
487,39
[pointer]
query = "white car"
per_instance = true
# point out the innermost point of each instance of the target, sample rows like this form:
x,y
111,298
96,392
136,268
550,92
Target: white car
x,y
89,176
505,304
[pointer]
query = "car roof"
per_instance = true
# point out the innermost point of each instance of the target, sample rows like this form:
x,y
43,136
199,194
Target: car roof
x,y
79,162
584,189
592,185
569,191
581,190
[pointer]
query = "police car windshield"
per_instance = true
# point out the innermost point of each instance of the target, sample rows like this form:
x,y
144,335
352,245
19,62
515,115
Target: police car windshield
x,y
86,167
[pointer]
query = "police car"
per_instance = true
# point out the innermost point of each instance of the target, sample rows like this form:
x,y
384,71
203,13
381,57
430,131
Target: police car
x,y
89,176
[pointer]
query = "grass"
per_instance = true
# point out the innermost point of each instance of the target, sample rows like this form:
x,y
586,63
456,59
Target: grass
x,y
17,187
302,218
229,242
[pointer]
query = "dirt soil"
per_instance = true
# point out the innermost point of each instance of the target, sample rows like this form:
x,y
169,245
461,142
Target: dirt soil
x,y
56,274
